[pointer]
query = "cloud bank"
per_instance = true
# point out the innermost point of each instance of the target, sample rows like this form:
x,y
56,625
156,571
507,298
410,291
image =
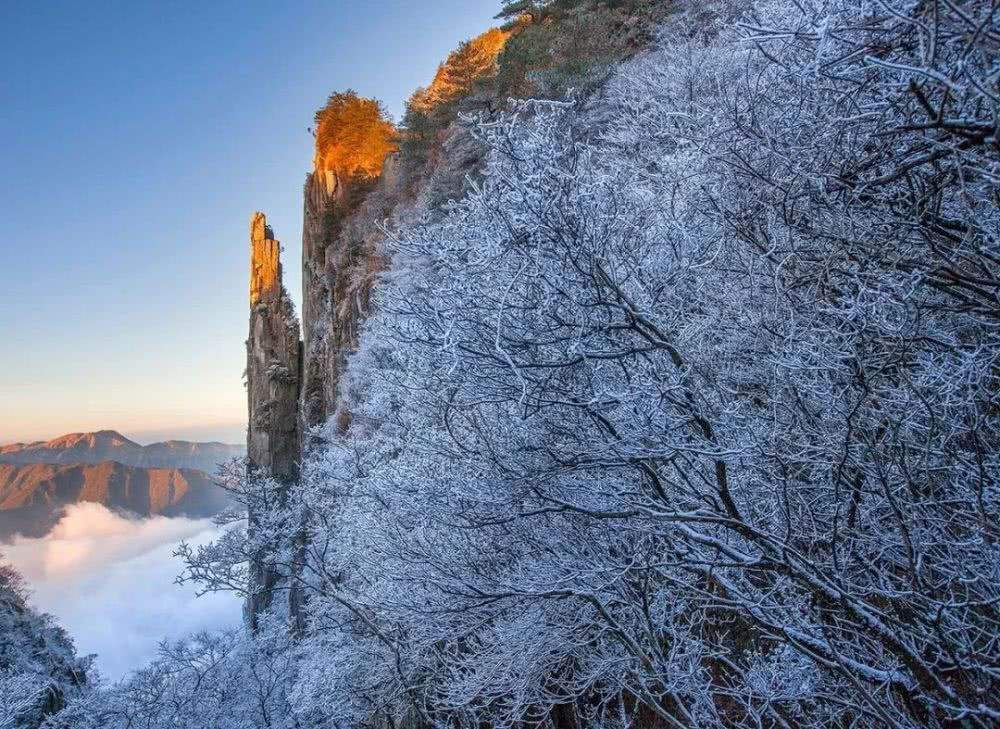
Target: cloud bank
x,y
109,580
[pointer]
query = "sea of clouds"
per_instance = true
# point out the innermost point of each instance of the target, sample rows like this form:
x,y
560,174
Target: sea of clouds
x,y
109,581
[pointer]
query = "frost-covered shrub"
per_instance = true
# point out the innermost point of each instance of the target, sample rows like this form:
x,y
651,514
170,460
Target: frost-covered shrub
x,y
229,680
688,410
39,668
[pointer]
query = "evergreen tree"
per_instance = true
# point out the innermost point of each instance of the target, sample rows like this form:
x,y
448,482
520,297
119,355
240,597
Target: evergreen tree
x,y
353,134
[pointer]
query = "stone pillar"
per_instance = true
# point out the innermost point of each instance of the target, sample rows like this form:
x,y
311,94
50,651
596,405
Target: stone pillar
x,y
323,191
273,386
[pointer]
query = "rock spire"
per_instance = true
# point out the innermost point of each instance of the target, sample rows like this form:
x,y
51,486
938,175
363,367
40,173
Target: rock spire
x,y
273,385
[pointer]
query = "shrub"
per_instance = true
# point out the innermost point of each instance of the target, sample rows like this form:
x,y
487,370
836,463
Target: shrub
x,y
353,134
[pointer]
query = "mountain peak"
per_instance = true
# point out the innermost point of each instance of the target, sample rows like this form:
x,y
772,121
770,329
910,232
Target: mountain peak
x,y
96,439
110,445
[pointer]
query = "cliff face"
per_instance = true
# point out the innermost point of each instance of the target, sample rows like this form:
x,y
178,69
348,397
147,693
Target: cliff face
x,y
366,176
272,361
292,386
337,273
355,154
273,384
322,192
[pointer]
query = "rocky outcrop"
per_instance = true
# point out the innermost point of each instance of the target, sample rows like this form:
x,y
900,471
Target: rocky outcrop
x,y
344,212
32,496
322,193
272,361
110,445
341,259
273,386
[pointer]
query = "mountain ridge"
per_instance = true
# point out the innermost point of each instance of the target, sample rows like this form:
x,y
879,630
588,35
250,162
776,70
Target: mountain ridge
x,y
109,445
33,495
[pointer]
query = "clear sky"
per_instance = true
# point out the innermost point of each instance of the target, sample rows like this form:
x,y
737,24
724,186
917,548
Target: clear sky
x,y
136,138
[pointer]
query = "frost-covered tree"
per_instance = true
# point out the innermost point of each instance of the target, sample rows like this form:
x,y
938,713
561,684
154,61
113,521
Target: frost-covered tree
x,y
229,680
687,410
686,415
39,668
519,8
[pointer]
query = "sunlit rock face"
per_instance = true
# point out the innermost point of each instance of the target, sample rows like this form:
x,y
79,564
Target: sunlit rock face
x,y
32,496
273,379
265,262
272,360
354,145
359,184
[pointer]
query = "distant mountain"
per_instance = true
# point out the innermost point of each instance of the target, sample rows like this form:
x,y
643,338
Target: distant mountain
x,y
109,445
33,495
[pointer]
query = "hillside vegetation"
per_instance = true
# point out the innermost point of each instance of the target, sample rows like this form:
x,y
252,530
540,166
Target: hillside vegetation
x,y
39,668
674,401
353,135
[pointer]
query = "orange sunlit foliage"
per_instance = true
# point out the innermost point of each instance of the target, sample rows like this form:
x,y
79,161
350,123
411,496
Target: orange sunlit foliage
x,y
473,60
353,135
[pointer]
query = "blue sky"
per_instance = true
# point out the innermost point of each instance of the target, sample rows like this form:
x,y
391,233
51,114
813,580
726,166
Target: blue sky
x,y
136,138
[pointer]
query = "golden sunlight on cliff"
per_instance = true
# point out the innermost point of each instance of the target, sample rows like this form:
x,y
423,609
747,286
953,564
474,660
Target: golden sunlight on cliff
x,y
265,262
353,135
471,61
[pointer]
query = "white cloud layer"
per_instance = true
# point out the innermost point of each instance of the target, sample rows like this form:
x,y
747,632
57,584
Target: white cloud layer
x,y
109,580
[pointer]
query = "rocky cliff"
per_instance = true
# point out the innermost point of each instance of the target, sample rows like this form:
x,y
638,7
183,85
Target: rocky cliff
x,y
322,191
337,274
273,375
272,360
293,385
369,177
355,154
